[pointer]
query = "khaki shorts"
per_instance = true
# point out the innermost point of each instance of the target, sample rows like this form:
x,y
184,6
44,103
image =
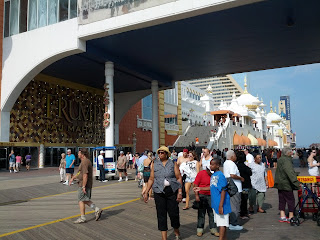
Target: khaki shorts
x,y
221,220
84,197
12,164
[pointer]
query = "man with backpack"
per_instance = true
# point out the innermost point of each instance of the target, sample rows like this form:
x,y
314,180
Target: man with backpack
x,y
231,170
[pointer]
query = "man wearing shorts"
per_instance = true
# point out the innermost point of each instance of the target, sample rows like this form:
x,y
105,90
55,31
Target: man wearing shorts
x,y
12,162
28,161
84,176
220,199
70,159
122,166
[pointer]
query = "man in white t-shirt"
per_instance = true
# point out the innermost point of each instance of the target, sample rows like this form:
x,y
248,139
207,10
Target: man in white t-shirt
x,y
101,167
205,160
231,170
249,157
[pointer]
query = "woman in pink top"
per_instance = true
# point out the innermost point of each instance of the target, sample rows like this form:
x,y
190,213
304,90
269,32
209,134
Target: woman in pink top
x,y
18,162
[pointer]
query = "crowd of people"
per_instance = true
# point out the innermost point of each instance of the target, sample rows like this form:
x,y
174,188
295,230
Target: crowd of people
x,y
248,171
168,178
16,161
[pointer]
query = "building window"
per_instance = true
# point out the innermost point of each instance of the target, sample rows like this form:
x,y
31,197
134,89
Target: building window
x,y
14,17
25,15
42,13
63,10
6,19
32,15
53,12
147,107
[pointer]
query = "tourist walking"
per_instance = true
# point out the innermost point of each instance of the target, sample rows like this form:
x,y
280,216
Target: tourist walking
x,y
249,157
174,155
12,163
274,158
70,160
139,163
18,162
122,166
313,164
220,199
206,158
165,180
28,161
286,181
247,192
259,182
85,180
62,167
130,161
183,158
189,168
102,167
204,198
135,161
304,157
146,173
231,170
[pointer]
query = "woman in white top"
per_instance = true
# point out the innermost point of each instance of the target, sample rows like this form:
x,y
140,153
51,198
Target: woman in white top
x,y
313,164
189,168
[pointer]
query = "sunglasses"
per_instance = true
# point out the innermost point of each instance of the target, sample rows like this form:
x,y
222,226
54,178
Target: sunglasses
x,y
190,156
160,152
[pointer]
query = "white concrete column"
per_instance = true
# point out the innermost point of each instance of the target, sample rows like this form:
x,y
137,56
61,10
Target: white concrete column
x,y
41,156
155,116
4,126
109,108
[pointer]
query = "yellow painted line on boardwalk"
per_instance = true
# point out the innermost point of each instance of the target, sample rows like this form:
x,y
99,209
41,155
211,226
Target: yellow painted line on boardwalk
x,y
58,194
63,219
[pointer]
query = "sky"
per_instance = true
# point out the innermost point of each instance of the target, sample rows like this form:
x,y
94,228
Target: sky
x,y
302,84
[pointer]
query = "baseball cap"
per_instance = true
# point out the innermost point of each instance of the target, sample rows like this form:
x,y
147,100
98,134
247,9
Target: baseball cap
x,y
101,151
186,150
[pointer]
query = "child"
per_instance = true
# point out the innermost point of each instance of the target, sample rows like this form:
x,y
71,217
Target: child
x,y
220,199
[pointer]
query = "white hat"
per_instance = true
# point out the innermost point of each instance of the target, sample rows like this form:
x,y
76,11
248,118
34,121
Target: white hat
x,y
121,152
101,152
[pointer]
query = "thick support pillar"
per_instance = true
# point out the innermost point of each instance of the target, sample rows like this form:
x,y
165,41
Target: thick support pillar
x,y
109,108
41,156
4,126
155,116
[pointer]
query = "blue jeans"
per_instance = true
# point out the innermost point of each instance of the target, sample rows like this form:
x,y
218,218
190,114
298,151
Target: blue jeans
x,y
102,173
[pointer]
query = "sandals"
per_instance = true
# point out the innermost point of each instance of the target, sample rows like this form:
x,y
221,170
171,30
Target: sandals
x,y
185,208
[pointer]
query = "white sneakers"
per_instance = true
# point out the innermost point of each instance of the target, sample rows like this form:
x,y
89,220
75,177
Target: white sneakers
x,y
120,179
127,179
105,181
80,220
235,228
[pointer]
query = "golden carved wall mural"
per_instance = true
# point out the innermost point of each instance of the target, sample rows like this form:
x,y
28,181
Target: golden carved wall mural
x,y
51,110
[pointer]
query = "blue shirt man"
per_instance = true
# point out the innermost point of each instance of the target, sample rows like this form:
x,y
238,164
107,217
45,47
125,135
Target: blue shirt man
x,y
70,161
12,158
218,182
